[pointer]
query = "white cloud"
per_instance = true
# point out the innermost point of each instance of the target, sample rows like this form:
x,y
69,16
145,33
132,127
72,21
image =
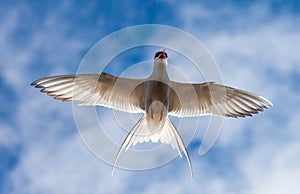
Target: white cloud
x,y
8,136
65,166
48,40
273,169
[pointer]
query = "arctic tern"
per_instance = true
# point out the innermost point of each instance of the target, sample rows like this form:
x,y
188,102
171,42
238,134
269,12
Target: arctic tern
x,y
157,97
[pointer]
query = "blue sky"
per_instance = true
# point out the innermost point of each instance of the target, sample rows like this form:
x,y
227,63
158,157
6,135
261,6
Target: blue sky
x,y
256,45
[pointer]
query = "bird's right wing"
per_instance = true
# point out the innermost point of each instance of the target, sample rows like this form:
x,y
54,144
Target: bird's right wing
x,y
95,89
190,100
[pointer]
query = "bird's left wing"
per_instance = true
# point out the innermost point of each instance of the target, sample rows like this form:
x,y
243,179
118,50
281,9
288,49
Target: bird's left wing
x,y
95,89
190,100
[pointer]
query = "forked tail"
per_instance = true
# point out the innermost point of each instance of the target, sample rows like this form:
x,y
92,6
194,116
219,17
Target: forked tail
x,y
168,135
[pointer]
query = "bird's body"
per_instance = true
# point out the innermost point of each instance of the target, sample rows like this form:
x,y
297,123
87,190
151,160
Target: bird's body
x,y
157,94
157,97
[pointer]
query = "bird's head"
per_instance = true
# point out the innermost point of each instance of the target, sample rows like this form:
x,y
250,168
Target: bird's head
x,y
161,56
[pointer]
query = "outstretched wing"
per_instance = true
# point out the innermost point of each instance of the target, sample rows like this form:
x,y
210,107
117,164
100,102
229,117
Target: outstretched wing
x,y
191,100
95,89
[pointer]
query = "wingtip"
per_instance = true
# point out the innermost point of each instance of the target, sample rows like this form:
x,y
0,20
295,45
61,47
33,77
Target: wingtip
x,y
33,83
268,103
36,82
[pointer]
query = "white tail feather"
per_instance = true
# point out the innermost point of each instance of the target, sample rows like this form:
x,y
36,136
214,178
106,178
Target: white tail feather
x,y
167,134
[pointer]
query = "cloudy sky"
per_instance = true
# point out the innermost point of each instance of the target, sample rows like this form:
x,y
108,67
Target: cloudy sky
x,y
255,44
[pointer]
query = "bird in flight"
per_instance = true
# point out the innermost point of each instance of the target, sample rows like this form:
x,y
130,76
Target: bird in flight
x,y
157,97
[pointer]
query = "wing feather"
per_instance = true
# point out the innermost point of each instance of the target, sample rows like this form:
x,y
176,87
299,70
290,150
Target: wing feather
x,y
191,100
95,89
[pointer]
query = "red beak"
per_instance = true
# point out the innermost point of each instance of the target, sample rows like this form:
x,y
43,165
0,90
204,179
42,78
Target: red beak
x,y
162,55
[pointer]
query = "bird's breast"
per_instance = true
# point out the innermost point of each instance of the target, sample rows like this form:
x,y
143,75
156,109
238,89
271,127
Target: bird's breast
x,y
156,91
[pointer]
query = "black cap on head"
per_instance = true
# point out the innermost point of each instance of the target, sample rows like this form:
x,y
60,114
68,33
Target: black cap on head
x,y
159,53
